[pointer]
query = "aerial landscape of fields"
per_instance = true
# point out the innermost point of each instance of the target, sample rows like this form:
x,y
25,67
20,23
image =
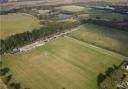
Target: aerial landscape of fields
x,y
64,63
64,44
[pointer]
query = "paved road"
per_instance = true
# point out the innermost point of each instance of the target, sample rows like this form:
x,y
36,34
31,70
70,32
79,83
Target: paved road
x,y
43,41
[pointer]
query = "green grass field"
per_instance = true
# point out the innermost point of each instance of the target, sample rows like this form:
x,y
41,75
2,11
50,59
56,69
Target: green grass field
x,y
17,23
112,39
64,63
72,8
110,16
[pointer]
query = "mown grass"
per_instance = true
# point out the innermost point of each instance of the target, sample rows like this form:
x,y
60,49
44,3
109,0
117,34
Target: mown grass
x,y
72,8
64,63
111,39
16,23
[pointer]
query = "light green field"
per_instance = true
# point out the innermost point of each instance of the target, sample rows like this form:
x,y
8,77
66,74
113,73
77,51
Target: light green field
x,y
64,63
72,8
112,39
16,23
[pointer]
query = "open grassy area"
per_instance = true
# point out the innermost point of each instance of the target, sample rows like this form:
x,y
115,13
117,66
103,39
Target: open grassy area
x,y
109,16
72,8
64,63
16,23
112,39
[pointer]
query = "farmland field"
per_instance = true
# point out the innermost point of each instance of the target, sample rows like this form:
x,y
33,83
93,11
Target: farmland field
x,y
112,39
109,16
64,63
72,8
17,23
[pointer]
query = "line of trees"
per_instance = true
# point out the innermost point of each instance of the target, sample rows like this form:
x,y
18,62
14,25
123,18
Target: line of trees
x,y
4,12
123,26
121,9
7,77
107,80
113,24
21,39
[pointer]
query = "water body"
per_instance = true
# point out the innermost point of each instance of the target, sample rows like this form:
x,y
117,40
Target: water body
x,y
63,15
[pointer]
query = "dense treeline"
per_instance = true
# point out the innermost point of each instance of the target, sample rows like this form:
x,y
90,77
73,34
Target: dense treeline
x,y
121,9
21,39
16,10
117,9
112,77
123,25
4,12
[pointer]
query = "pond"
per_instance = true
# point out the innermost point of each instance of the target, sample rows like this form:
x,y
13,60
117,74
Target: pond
x,y
63,15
